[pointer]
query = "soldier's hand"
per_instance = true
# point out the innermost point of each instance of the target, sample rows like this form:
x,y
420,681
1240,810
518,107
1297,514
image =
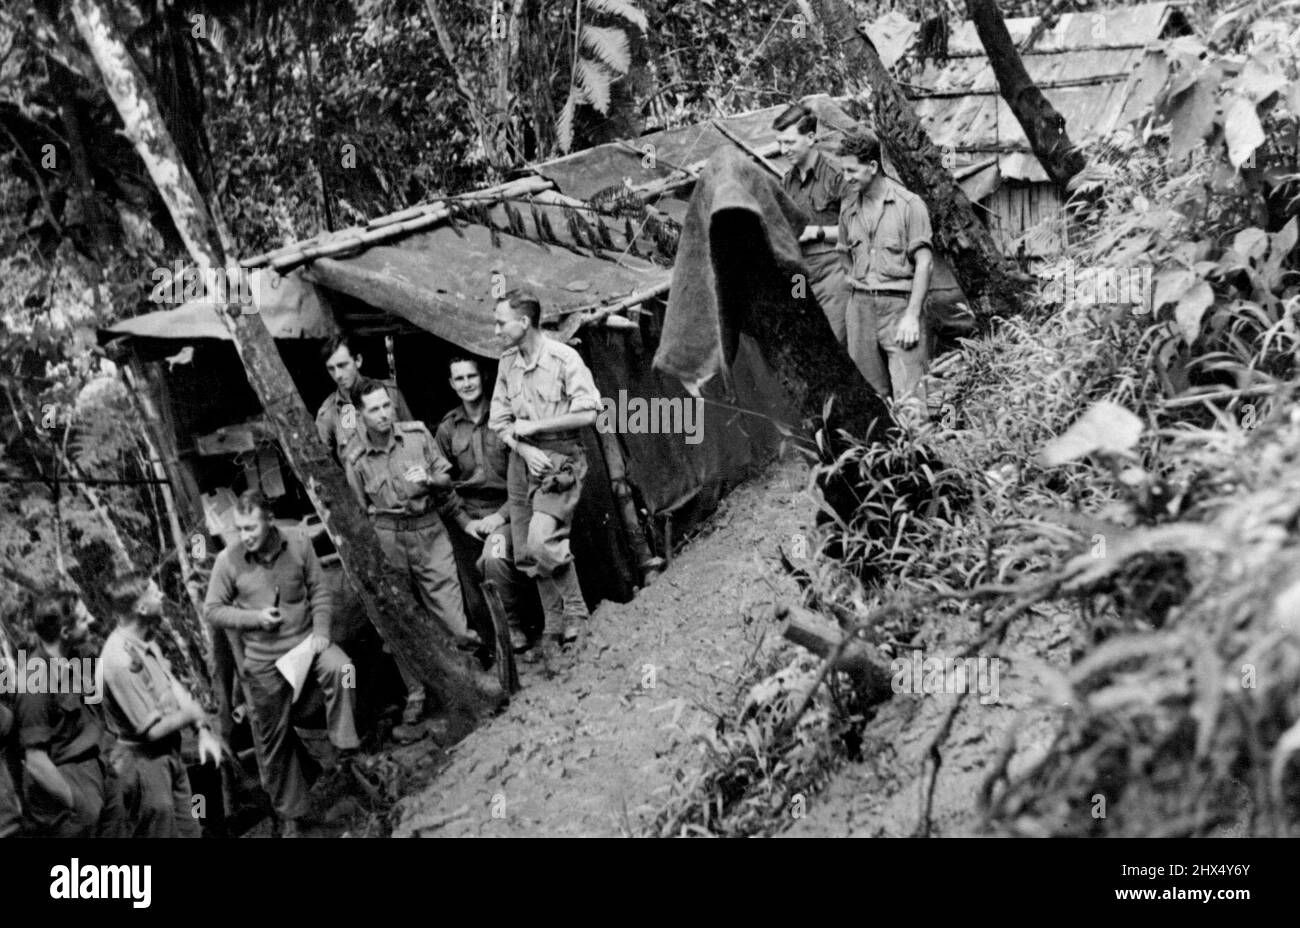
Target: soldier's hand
x,y
209,747
909,330
809,234
319,643
417,474
539,464
269,618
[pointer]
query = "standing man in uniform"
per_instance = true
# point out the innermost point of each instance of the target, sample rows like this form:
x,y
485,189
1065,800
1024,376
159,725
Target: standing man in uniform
x,y
816,185
336,420
69,787
269,588
480,463
544,397
886,246
401,479
148,709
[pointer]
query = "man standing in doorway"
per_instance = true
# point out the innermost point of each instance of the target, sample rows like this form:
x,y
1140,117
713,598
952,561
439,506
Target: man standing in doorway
x,y
336,420
544,397
480,464
400,478
269,588
816,185
886,246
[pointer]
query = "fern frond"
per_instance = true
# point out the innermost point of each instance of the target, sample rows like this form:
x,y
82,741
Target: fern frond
x,y
622,9
608,46
595,82
564,123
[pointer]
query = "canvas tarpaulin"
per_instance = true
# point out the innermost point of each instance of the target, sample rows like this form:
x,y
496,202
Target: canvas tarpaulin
x,y
442,280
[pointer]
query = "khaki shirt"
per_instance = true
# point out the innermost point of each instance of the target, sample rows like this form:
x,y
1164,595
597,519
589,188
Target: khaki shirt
x,y
337,418
879,238
140,681
378,474
479,462
555,383
819,192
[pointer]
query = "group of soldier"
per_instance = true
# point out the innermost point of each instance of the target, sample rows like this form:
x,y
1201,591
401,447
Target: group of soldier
x,y
486,503
481,507
869,252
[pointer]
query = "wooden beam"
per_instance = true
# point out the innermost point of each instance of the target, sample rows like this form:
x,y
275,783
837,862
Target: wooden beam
x,y
864,664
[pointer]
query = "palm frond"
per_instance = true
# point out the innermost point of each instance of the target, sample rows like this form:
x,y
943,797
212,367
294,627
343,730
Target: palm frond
x,y
595,82
609,46
622,9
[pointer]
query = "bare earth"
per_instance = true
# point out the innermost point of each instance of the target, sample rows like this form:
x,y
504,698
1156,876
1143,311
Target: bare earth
x,y
593,751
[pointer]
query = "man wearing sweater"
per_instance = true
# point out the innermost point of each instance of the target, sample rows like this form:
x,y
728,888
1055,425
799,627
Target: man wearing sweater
x,y
270,591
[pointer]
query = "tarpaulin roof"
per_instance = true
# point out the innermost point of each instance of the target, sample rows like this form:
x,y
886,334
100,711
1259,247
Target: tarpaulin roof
x,y
442,280
287,307
1095,68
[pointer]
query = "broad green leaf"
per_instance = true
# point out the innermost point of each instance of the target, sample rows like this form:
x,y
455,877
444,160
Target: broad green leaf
x,y
1106,426
1191,117
1170,285
1191,308
1241,129
1256,82
1250,243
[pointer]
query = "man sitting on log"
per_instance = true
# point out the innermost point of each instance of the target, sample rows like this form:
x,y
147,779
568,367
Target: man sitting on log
x,y
886,246
544,397
479,466
269,588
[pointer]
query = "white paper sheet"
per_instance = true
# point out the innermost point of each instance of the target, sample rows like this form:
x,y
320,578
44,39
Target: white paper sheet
x,y
295,665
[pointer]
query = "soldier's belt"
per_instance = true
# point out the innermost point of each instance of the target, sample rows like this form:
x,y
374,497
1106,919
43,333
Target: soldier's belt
x,y
406,522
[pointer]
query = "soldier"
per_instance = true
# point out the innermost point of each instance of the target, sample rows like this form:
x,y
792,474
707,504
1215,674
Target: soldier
x,y
269,588
70,789
394,469
479,465
336,420
885,244
148,708
818,187
544,397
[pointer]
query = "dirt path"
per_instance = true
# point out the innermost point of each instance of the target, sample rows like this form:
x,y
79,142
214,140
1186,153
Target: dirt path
x,y
593,751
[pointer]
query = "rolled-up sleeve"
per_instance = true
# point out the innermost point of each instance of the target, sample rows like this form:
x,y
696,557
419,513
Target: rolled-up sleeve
x,y
501,417
131,695
579,386
919,234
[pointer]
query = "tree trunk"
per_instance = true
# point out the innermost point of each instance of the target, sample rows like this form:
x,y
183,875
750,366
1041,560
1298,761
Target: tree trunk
x,y
981,269
467,692
1043,125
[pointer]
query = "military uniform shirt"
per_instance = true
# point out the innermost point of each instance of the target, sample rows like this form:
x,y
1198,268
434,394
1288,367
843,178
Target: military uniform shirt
x,y
338,417
140,681
555,383
880,238
819,192
380,472
479,462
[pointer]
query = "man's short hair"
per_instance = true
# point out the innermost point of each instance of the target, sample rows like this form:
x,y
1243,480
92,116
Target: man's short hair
x,y
251,500
53,615
461,359
798,115
525,304
862,144
368,386
334,344
125,591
